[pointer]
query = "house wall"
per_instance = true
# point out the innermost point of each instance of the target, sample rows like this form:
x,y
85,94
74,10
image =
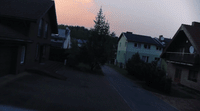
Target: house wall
x,y
30,52
121,50
184,75
152,52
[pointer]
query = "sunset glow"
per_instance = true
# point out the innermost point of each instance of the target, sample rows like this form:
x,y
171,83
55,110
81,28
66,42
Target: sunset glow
x,y
75,12
146,17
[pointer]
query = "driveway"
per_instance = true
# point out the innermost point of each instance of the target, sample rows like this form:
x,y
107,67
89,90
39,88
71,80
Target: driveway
x,y
137,98
81,91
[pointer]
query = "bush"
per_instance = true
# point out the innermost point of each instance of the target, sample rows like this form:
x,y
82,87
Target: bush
x,y
134,66
149,72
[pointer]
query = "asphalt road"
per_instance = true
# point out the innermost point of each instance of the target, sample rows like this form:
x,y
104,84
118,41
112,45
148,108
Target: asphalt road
x,y
80,92
137,98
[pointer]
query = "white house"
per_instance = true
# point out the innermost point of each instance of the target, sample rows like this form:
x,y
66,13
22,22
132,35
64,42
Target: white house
x,y
62,39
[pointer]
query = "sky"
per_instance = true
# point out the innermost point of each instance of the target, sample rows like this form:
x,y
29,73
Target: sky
x,y
143,17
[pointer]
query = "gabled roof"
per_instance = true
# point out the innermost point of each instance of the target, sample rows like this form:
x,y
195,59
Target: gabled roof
x,y
29,10
191,32
140,38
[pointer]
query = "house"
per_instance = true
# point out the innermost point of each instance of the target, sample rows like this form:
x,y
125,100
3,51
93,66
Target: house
x,y
25,31
62,39
128,44
182,56
164,41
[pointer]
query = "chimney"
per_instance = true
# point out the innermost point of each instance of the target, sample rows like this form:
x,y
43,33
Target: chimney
x,y
196,24
129,32
161,37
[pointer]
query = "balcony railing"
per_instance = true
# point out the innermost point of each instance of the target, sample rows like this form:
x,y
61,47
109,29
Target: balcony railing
x,y
182,57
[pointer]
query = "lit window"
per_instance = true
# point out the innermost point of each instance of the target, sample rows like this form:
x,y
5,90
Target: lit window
x,y
22,54
40,27
193,75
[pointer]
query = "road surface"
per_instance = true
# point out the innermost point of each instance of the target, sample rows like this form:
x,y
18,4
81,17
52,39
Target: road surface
x,y
137,98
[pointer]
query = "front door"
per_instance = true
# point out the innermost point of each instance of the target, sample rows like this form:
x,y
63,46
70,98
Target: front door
x,y
177,77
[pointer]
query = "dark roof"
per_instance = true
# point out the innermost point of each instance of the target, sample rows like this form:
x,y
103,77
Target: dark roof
x,y
192,33
29,10
167,40
141,39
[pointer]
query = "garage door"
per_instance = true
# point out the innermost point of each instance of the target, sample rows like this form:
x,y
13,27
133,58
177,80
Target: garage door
x,y
7,60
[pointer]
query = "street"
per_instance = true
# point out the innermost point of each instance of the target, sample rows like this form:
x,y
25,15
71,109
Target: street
x,y
137,98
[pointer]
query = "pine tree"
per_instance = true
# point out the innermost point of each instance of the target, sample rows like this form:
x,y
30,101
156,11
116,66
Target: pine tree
x,y
95,51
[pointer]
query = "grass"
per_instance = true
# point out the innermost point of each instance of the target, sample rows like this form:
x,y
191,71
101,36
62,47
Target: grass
x,y
173,93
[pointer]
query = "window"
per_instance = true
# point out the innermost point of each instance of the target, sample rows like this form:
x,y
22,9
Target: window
x,y
125,44
138,45
23,54
44,50
145,58
158,48
120,44
37,51
147,46
40,27
193,75
119,52
46,30
157,59
178,73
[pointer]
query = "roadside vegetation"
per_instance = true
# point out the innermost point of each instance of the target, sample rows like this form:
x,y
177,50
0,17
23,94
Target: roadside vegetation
x,y
148,76
96,51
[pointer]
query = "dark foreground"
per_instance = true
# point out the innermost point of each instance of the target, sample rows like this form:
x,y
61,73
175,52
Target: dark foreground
x,y
81,91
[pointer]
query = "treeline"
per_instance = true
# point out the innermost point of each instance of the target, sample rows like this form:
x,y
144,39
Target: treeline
x,y
78,32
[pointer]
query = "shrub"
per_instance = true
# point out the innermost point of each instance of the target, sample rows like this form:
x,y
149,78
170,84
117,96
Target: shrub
x,y
134,66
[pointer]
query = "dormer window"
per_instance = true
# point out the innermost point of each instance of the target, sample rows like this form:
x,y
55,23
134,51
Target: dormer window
x,y
40,28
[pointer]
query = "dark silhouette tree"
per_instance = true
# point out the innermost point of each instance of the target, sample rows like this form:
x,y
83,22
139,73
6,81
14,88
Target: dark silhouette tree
x,y
95,51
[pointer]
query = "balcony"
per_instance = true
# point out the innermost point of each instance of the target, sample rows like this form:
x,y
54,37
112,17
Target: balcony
x,y
182,57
